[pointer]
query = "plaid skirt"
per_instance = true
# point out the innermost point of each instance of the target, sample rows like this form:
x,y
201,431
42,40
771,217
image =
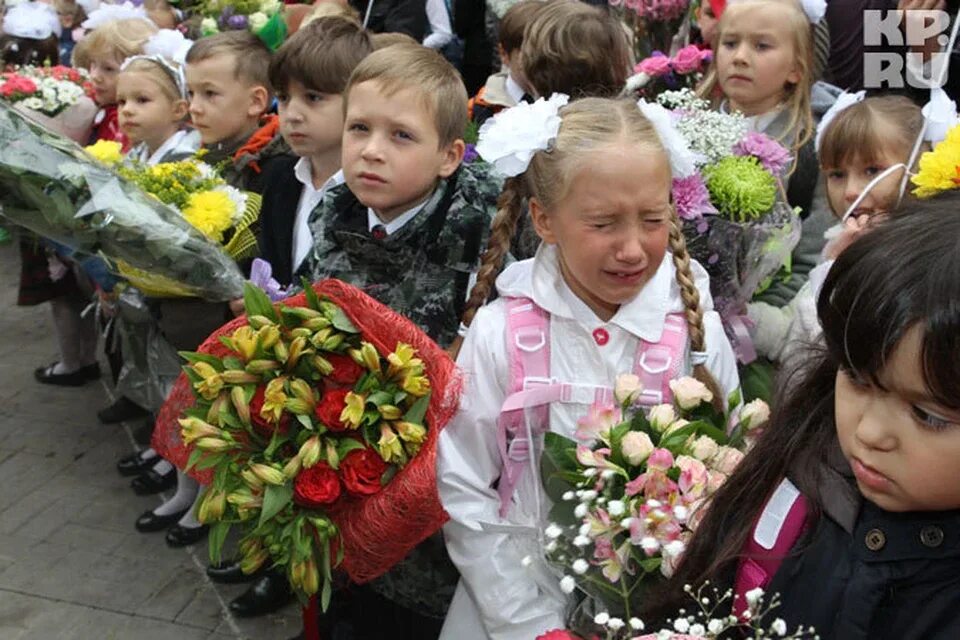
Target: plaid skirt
x,y
36,287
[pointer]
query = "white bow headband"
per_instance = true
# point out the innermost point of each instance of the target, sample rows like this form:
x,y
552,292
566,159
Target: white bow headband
x,y
174,71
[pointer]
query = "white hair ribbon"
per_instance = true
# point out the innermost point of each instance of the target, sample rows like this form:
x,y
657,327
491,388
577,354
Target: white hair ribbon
x,y
509,139
174,71
844,101
110,12
169,43
32,20
682,159
941,116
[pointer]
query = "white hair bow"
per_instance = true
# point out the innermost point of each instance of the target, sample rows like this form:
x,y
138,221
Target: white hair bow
x,y
109,12
509,139
682,158
844,101
32,20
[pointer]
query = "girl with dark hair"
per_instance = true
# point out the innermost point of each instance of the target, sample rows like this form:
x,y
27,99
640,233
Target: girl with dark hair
x,y
864,448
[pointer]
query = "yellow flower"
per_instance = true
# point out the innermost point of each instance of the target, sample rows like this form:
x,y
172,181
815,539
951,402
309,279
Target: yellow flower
x,y
194,428
353,409
391,449
416,385
411,432
211,212
939,168
106,151
212,381
212,506
367,356
274,400
403,359
245,340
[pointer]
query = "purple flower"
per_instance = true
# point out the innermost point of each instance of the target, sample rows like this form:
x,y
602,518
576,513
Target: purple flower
x,y
470,153
771,154
691,197
237,22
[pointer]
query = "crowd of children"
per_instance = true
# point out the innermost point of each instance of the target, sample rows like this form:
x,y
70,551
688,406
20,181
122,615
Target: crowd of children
x,y
353,132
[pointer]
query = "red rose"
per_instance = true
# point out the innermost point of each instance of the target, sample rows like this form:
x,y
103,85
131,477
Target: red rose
x,y
345,370
361,470
558,634
316,486
260,424
329,409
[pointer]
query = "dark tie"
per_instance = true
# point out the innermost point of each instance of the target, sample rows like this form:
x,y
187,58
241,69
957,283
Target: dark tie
x,y
379,232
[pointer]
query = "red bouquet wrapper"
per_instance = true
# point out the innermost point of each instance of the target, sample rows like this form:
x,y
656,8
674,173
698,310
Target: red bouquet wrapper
x,y
377,531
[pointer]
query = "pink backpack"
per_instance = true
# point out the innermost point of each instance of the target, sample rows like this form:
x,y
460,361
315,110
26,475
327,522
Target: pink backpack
x,y
780,525
532,388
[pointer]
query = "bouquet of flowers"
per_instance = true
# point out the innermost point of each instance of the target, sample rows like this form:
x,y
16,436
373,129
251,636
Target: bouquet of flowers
x,y
660,72
264,19
709,620
655,23
733,207
315,423
625,505
220,212
59,98
50,186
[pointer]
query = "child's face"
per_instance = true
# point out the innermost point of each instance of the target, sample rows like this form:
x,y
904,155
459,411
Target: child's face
x,y
104,71
707,21
903,446
223,106
392,158
145,112
311,121
756,60
845,184
612,226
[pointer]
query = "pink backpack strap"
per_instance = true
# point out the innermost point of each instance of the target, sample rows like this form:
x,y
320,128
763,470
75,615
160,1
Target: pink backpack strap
x,y
528,354
656,364
780,525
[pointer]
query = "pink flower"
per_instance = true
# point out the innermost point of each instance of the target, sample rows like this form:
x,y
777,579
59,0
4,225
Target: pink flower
x,y
654,66
691,197
715,480
726,460
660,460
598,422
771,154
687,60
590,458
693,477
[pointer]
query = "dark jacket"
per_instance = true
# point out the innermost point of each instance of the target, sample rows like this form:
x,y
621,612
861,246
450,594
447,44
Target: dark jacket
x,y
244,162
277,216
865,573
395,16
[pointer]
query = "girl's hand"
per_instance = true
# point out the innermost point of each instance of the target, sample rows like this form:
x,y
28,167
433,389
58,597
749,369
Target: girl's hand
x,y
853,228
108,303
237,308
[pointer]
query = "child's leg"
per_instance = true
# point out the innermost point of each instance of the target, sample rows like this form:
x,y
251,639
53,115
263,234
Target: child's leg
x,y
76,335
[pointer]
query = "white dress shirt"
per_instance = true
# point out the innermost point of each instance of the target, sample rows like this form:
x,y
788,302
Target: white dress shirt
x,y
310,197
397,223
440,31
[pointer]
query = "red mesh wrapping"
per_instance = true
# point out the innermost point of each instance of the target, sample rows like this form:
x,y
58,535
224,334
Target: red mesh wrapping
x,y
379,530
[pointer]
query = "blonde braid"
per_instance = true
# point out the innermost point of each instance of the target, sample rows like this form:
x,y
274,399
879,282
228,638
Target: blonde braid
x,y
504,225
692,309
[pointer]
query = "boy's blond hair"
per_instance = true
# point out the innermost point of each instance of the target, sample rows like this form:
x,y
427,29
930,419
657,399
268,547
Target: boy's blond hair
x,y
117,39
418,68
384,40
250,55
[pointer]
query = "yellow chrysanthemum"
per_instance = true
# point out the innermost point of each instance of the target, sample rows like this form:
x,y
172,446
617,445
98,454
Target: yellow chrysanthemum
x,y
106,151
211,212
939,168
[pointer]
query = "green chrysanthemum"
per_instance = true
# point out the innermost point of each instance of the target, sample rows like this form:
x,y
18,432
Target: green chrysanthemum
x,y
740,188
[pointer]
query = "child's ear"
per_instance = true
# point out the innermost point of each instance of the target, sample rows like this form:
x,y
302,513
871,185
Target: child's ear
x,y
795,75
259,101
180,109
541,221
452,157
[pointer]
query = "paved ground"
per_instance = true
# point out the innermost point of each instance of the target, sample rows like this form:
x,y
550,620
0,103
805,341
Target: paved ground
x,y
71,564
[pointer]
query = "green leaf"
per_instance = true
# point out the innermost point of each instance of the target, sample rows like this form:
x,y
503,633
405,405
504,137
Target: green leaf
x,y
227,342
734,399
191,357
339,319
227,418
674,439
257,303
380,397
712,432
370,416
417,413
233,363
312,300
651,564
556,468
209,462
305,421
218,534
194,458
275,441
275,498
388,475
346,445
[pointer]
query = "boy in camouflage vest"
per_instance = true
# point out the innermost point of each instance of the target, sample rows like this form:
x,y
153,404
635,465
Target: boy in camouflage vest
x,y
407,227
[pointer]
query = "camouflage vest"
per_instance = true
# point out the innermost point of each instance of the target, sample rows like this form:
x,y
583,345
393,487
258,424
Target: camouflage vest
x,y
423,269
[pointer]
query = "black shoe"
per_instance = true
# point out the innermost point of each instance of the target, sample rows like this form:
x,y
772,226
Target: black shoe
x,y
143,434
150,482
135,464
78,378
149,522
122,409
180,536
268,594
230,573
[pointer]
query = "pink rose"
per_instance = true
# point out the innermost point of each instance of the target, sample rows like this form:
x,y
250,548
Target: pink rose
x,y
654,66
715,480
636,446
687,60
726,460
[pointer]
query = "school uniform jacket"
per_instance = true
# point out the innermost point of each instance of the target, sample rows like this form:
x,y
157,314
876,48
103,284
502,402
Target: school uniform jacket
x,y
278,213
497,597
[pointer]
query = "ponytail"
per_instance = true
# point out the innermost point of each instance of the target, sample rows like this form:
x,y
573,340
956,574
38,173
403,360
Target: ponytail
x,y
509,209
692,309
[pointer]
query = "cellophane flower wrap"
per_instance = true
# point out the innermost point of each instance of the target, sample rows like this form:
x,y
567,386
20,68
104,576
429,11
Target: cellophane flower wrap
x,y
220,212
52,187
654,23
629,491
736,219
314,425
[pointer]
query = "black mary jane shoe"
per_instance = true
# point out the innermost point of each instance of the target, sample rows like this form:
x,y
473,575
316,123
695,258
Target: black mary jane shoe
x,y
180,536
122,409
78,378
230,573
135,464
150,482
148,522
268,594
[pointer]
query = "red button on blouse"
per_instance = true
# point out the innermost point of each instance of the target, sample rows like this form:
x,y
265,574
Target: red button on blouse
x,y
601,336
